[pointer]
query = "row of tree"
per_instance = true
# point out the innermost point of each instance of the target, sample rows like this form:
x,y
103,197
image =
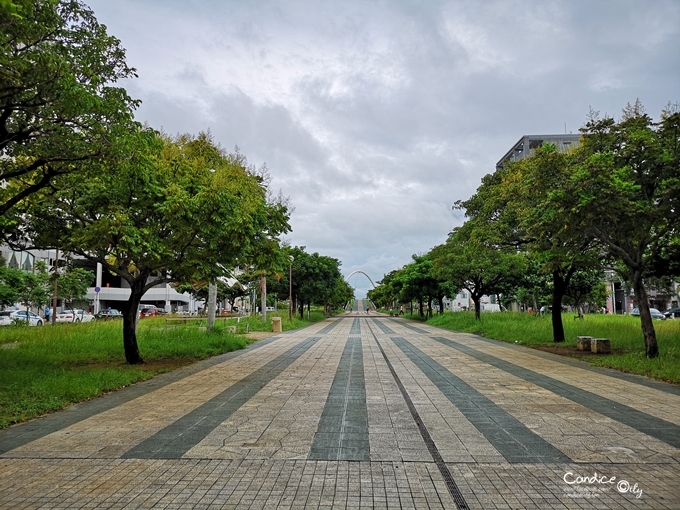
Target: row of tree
x,y
316,281
558,219
81,175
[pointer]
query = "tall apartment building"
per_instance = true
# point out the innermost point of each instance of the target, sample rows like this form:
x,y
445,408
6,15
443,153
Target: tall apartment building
x,y
527,143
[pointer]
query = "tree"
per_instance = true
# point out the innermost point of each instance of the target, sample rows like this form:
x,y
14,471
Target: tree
x,y
58,107
417,281
72,285
535,286
384,294
587,287
471,261
624,193
10,281
516,208
340,293
33,288
315,279
177,210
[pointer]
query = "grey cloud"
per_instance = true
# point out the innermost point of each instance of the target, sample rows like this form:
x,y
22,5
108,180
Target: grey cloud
x,y
374,117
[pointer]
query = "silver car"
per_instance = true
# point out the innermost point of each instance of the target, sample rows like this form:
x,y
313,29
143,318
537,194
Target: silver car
x,y
656,314
74,316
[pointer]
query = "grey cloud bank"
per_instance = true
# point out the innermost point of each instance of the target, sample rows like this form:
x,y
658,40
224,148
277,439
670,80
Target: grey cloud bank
x,y
374,117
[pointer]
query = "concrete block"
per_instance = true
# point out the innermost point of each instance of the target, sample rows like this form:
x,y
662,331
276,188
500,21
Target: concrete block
x,y
600,346
583,343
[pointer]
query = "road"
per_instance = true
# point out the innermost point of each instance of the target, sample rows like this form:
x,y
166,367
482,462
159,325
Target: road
x,y
360,411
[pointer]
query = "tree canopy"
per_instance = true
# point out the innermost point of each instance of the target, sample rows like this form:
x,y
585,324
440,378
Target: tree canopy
x,y
470,260
58,103
176,211
317,280
515,208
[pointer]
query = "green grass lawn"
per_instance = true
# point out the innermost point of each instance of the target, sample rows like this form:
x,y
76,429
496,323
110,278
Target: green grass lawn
x,y
44,369
624,332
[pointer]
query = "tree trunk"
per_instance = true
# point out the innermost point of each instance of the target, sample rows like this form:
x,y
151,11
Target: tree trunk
x,y
478,306
441,305
130,318
651,347
429,308
559,286
421,307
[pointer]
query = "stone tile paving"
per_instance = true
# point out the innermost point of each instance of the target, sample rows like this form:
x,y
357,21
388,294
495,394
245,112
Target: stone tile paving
x,y
280,421
113,432
259,455
582,433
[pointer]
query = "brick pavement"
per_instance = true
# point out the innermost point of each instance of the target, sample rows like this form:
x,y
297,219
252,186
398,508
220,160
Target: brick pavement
x,y
362,411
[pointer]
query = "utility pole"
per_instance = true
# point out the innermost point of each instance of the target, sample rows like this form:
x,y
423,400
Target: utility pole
x,y
212,304
263,296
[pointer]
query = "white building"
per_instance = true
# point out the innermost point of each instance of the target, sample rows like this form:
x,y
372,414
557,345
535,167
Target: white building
x,y
107,289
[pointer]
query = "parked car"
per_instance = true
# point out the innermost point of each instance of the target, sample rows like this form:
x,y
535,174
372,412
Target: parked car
x,y
9,317
109,314
74,316
6,317
67,316
147,311
656,314
84,316
672,313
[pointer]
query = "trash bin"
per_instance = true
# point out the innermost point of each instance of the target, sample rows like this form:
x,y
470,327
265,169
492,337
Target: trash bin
x,y
276,324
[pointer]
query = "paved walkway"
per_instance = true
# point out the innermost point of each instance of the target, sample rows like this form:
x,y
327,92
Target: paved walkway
x,y
363,411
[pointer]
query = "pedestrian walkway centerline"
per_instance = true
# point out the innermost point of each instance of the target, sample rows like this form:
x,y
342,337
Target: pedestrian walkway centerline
x,y
178,438
342,433
658,428
511,438
451,485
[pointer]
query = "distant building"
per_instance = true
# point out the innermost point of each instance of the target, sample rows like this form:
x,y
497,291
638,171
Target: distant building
x,y
107,289
528,143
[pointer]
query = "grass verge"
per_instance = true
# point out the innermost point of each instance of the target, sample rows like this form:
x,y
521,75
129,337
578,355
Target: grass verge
x,y
624,332
49,368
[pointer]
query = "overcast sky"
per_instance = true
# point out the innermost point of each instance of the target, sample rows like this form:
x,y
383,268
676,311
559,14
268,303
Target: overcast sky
x,y
374,117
